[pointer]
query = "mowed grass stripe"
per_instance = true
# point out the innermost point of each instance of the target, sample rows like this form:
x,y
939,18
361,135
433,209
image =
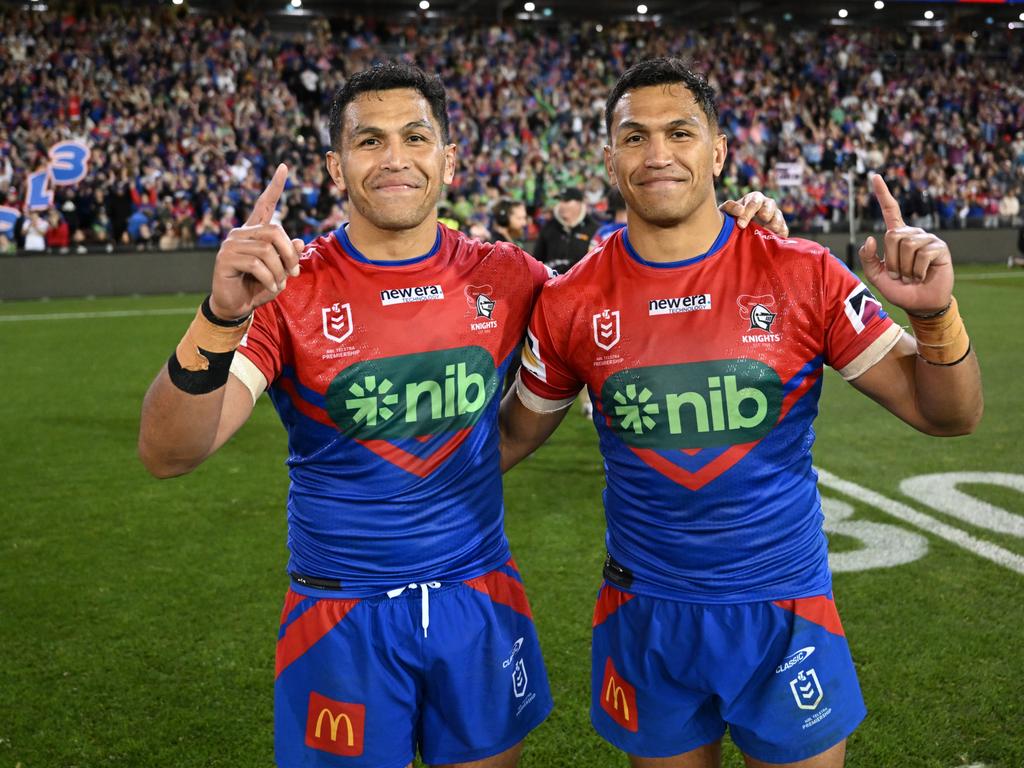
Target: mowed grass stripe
x,y
98,315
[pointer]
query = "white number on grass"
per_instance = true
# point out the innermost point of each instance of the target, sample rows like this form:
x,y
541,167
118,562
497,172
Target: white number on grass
x,y
940,492
885,545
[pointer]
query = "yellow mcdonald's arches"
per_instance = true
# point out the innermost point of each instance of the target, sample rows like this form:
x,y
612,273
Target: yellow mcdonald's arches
x,y
335,720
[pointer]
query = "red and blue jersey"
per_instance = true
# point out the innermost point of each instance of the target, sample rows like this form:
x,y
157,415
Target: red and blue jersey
x,y
705,376
387,377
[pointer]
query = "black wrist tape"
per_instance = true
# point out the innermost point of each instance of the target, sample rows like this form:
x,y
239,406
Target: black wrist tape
x,y
201,382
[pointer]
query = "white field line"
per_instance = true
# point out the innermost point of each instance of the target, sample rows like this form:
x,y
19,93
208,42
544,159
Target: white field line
x,y
991,276
94,315
900,511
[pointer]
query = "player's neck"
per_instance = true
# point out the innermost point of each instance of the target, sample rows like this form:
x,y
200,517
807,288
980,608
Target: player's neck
x,y
685,240
378,244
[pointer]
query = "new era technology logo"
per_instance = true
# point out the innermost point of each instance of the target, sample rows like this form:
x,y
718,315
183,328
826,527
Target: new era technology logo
x,y
409,295
697,303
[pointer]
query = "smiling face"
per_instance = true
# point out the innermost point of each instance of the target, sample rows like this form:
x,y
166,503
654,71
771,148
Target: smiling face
x,y
664,154
391,160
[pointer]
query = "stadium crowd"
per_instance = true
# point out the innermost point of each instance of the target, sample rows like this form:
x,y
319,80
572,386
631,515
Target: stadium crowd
x,y
187,114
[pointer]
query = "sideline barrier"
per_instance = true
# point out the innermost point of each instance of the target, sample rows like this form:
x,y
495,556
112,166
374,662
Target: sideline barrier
x,y
153,272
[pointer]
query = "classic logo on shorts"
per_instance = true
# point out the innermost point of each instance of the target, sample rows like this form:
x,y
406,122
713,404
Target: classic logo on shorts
x,y
758,311
807,690
606,328
335,726
337,321
794,658
618,698
412,395
693,405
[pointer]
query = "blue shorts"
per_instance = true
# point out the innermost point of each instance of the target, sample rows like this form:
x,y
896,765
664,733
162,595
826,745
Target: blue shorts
x,y
668,676
362,684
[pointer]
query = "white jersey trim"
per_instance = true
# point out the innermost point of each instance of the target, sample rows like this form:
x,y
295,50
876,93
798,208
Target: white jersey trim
x,y
536,403
875,351
245,371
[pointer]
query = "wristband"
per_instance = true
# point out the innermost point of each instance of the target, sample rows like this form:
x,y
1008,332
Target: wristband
x,y
941,338
202,360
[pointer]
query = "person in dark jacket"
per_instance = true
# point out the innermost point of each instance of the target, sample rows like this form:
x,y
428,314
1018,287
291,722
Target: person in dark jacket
x,y
565,237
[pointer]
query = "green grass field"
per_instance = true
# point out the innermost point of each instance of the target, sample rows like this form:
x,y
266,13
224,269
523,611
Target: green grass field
x,y
138,617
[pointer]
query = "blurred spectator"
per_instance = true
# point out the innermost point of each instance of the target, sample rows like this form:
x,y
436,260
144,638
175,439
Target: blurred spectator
x,y
34,228
616,210
509,222
565,237
58,234
207,231
1017,260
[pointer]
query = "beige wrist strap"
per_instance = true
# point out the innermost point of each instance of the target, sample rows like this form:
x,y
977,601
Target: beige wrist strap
x,y
203,334
941,340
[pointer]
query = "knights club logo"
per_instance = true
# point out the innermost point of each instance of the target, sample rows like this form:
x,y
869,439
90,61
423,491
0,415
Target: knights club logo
x,y
758,310
479,299
806,690
606,328
337,321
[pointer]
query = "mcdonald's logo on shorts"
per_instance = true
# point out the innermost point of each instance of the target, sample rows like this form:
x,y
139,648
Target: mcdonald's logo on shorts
x,y
618,698
335,726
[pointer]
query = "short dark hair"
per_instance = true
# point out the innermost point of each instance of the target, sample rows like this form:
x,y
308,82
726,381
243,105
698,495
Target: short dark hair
x,y
389,76
663,71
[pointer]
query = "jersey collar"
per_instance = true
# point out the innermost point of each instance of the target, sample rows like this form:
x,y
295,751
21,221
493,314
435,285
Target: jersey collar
x,y
341,235
728,223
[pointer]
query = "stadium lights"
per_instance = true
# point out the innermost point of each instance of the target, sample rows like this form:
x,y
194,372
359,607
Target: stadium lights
x,y
843,13
879,5
641,9
529,7
424,5
1021,17
177,2
296,3
929,15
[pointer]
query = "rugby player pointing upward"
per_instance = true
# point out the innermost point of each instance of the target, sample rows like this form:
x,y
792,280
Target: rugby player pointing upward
x,y
382,347
702,347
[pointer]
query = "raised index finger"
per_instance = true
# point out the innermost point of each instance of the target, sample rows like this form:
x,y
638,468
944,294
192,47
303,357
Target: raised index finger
x,y
891,214
263,210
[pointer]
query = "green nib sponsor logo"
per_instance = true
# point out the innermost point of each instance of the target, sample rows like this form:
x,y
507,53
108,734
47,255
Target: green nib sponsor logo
x,y
371,401
635,410
693,405
413,395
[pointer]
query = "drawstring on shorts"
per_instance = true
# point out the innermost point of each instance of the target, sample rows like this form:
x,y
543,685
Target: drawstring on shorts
x,y
424,588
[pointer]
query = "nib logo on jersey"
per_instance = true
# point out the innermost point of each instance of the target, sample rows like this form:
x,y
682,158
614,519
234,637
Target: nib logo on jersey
x,y
412,395
693,405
